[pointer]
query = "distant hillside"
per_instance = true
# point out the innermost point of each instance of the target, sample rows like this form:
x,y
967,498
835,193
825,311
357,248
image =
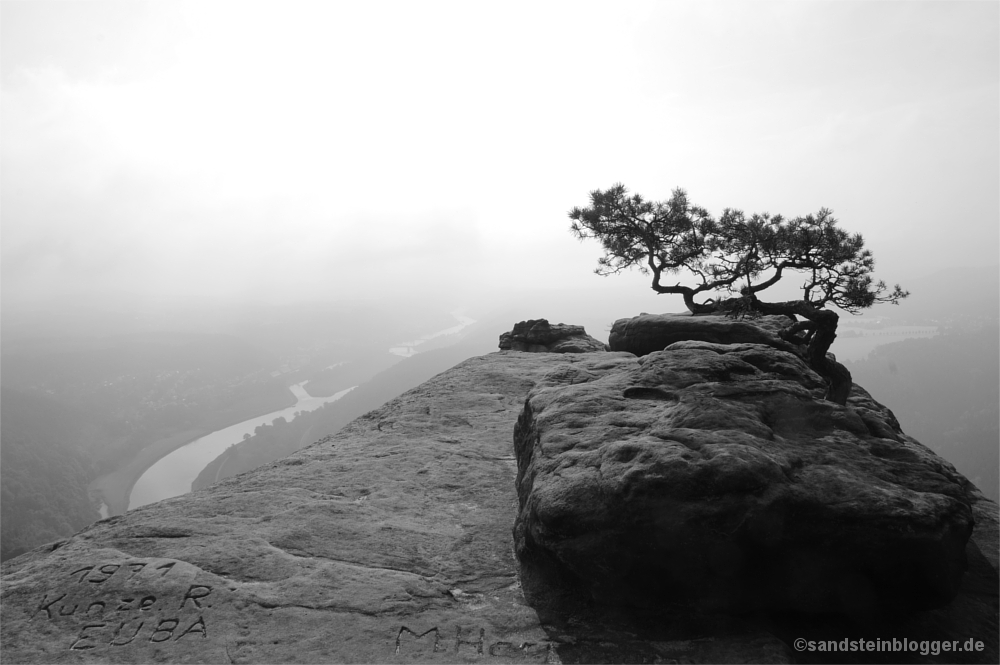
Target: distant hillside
x,y
945,391
74,408
43,471
147,383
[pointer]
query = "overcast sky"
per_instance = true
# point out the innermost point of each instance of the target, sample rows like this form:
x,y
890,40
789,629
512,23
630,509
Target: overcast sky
x,y
313,150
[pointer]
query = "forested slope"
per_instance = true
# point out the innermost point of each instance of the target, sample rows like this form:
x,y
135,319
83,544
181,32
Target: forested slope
x,y
43,471
75,408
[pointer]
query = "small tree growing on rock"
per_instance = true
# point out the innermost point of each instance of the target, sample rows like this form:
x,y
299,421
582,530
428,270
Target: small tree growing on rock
x,y
743,256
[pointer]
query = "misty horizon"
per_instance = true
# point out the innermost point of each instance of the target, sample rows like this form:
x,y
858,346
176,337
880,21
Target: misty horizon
x,y
282,375
320,151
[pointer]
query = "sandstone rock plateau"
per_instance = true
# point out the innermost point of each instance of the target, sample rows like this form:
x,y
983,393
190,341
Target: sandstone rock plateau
x,y
392,542
540,336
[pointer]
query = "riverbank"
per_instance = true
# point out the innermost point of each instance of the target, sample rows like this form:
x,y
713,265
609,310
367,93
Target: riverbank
x,y
175,472
114,488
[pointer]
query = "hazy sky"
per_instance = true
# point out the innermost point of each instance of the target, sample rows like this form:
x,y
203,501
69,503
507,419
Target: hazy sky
x,y
313,150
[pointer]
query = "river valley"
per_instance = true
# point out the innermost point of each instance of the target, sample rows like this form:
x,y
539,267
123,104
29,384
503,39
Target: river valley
x,y
167,467
173,474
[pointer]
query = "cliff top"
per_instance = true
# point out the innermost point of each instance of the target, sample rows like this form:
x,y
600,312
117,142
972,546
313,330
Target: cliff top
x,y
388,542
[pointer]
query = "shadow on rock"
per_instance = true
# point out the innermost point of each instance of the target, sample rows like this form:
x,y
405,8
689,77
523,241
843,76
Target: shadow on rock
x,y
706,503
588,632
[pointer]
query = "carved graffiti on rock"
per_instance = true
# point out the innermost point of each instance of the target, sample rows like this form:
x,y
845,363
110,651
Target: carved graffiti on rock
x,y
468,643
46,604
121,638
83,640
194,593
113,605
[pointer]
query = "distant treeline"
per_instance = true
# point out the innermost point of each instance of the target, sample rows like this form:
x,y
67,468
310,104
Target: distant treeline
x,y
945,391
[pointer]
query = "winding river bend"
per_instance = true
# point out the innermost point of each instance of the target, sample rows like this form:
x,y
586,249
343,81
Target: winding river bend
x,y
173,474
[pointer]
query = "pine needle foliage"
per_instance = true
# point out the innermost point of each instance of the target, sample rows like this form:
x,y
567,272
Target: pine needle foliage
x,y
740,256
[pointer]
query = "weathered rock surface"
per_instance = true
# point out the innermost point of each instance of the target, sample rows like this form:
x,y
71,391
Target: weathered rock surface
x,y
647,333
391,542
717,475
540,336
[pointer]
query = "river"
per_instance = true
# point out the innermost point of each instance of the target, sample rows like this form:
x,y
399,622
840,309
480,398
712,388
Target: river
x,y
173,474
407,349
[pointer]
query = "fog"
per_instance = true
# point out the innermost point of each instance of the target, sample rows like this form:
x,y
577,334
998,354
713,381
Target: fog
x,y
205,204
392,152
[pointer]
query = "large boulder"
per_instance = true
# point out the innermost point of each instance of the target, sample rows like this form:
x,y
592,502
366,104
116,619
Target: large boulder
x,y
717,476
540,336
647,333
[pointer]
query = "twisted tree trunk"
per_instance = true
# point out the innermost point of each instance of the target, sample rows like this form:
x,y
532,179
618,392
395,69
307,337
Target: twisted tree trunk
x,y
817,333
697,308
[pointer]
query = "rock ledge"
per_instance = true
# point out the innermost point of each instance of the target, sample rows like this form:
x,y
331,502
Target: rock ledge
x,y
540,336
391,542
716,475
